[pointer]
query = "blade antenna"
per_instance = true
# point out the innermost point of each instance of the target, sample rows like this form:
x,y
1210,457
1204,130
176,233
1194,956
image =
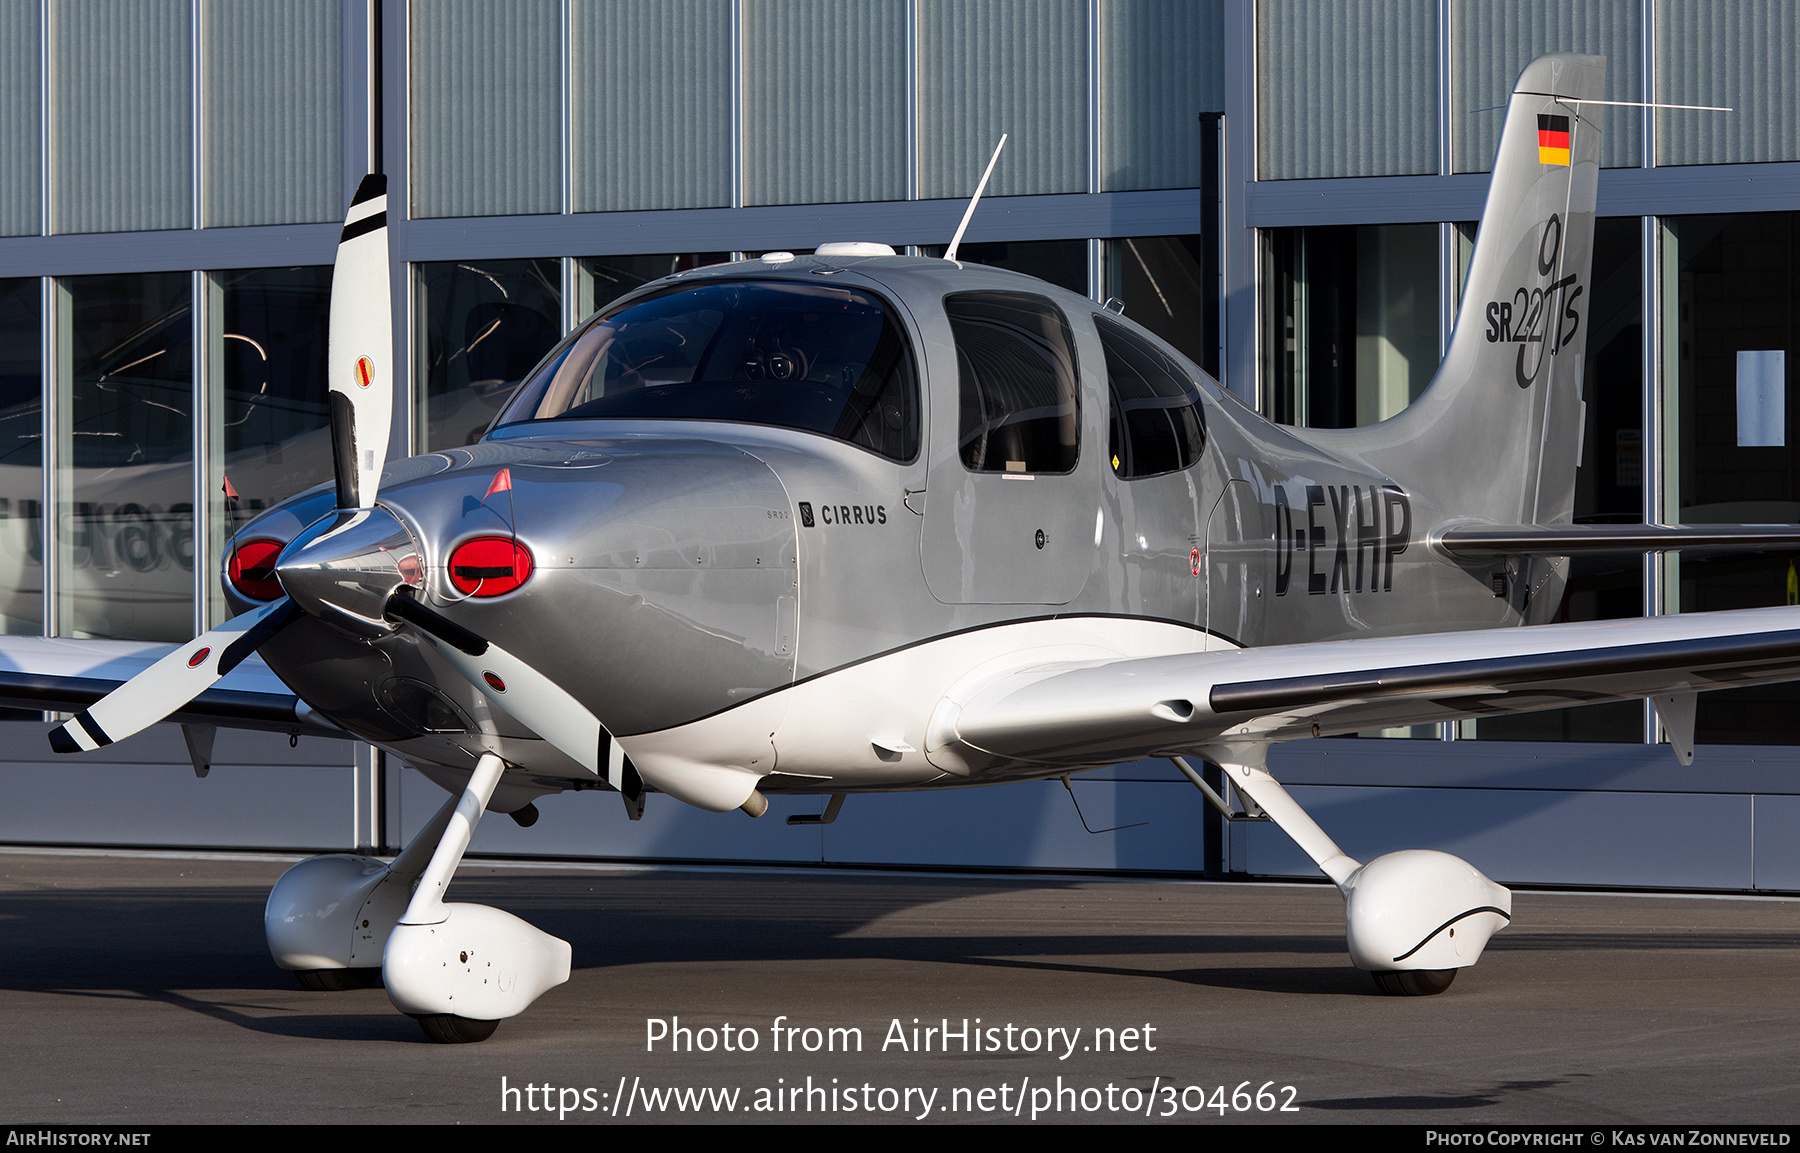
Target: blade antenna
x,y
950,253
1083,820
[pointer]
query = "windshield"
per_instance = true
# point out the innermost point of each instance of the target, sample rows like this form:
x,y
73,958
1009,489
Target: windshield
x,y
812,357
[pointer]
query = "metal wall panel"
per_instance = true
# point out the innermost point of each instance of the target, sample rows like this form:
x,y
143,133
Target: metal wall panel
x,y
21,119
272,96
1491,42
486,104
1162,63
121,115
1346,89
1013,66
824,101
651,100
1742,54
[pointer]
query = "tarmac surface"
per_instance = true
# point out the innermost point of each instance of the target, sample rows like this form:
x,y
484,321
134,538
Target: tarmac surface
x,y
137,988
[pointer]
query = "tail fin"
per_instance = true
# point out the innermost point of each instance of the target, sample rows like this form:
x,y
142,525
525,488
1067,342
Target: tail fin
x,y
1497,434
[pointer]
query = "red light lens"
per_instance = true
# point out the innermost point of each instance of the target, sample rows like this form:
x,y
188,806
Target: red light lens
x,y
489,566
252,569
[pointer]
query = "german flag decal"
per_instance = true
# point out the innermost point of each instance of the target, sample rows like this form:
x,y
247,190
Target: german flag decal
x,y
365,368
1553,140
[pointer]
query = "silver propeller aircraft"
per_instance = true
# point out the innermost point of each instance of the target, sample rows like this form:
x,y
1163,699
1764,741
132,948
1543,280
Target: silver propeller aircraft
x,y
858,522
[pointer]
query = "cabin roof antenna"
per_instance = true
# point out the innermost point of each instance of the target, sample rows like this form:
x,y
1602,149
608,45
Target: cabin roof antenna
x,y
950,253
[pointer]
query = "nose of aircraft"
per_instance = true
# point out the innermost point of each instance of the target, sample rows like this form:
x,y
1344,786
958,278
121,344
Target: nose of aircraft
x,y
654,580
344,569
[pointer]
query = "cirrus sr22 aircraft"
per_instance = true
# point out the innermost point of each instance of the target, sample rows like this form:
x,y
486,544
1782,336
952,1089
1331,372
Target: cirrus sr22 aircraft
x,y
856,521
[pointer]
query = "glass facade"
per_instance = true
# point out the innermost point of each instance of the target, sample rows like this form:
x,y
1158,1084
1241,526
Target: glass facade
x,y
545,165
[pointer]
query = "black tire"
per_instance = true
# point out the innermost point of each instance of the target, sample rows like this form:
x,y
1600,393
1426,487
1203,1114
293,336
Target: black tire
x,y
337,980
1413,982
446,1029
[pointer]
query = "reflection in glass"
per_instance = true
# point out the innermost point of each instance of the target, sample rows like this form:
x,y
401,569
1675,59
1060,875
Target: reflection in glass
x,y
271,416
1350,319
125,486
482,325
21,458
1609,485
1165,286
1732,285
1061,262
604,279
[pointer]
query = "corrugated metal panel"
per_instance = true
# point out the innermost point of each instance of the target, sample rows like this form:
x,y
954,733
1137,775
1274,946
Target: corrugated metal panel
x,y
122,115
1493,40
1013,66
824,101
1743,54
272,101
21,120
486,107
1162,63
1346,89
651,104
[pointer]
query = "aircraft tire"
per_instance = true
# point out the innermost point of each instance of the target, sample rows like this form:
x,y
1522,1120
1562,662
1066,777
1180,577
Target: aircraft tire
x,y
337,980
1413,982
447,1029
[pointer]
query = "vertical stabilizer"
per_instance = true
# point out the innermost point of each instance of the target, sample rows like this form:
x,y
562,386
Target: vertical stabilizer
x,y
1497,434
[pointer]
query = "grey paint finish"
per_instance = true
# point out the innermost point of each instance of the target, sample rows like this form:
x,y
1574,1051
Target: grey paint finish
x,y
1741,54
1346,89
651,106
1492,40
272,95
486,103
1007,66
1161,65
825,117
121,113
21,119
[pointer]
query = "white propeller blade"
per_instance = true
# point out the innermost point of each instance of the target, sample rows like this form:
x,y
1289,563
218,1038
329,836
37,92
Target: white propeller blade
x,y
536,701
169,684
361,357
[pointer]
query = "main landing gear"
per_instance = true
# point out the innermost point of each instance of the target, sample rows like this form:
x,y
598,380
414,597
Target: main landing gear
x,y
343,922
1411,918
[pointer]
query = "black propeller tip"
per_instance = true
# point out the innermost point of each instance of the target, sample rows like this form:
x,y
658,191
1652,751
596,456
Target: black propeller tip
x,y
62,742
374,184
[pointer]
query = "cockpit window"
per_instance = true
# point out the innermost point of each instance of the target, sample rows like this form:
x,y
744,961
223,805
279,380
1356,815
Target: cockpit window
x,y
1016,359
1157,424
817,358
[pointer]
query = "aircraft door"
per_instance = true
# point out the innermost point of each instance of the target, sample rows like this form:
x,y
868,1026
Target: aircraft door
x,y
1011,495
1233,560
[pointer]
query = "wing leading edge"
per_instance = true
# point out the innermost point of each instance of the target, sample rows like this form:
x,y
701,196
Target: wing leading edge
x,y
1106,711
65,675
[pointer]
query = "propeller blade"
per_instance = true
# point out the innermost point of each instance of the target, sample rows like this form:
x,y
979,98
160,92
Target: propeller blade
x,y
170,683
362,348
535,700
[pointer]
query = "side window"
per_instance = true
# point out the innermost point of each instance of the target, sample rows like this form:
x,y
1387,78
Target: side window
x,y
1020,408
1156,424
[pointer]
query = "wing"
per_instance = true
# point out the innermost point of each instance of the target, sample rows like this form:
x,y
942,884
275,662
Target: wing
x,y
1106,711
65,675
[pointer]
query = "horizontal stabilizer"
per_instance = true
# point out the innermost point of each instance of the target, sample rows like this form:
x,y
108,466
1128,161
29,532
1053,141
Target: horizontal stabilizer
x,y
1480,542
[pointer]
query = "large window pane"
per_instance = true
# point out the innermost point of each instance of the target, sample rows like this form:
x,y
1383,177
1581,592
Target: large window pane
x,y
1732,299
482,325
271,417
1350,321
21,467
125,500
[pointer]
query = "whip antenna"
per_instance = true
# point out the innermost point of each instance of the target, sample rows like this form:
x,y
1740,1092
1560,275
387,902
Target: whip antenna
x,y
950,253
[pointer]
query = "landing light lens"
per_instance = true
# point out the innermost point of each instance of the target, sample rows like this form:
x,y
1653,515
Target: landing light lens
x,y
252,569
489,566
